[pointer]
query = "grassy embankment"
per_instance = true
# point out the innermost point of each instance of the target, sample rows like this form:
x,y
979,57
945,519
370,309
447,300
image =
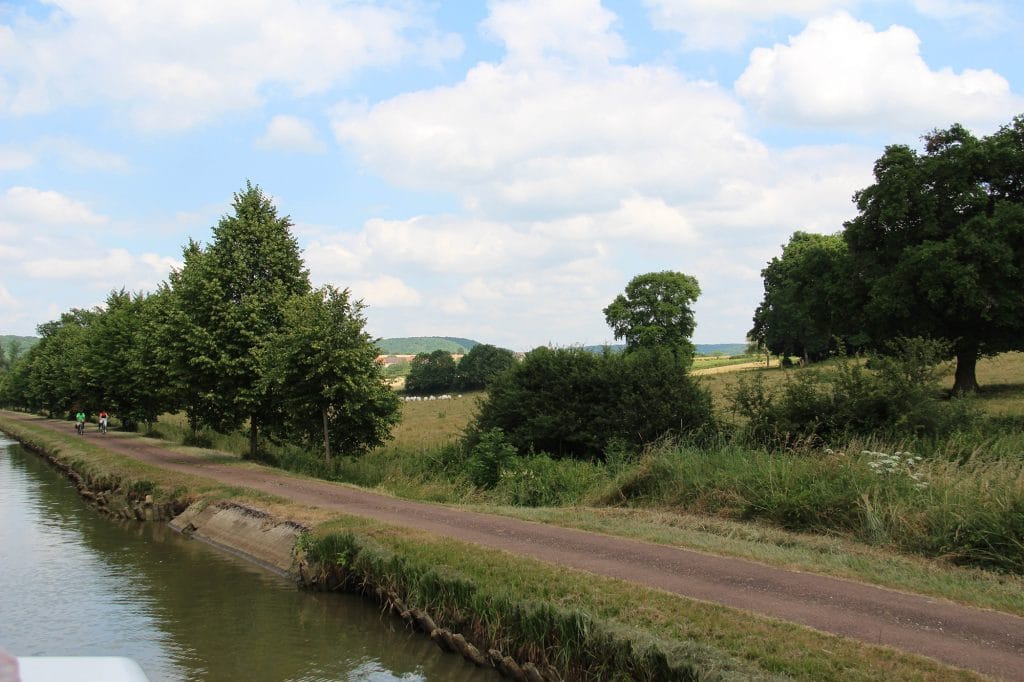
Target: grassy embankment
x,y
587,626
832,513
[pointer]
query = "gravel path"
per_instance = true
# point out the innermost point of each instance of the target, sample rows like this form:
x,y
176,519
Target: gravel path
x,y
989,642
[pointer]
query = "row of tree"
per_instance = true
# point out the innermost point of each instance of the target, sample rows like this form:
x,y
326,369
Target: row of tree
x,y
237,336
439,372
936,251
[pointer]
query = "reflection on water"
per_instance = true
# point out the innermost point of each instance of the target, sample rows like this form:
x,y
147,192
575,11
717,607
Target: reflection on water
x,y
75,583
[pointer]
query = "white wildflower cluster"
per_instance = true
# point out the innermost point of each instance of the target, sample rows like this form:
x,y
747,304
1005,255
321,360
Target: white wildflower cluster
x,y
896,464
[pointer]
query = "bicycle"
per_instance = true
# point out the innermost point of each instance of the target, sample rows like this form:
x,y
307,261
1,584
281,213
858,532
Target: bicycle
x,y
80,428
102,426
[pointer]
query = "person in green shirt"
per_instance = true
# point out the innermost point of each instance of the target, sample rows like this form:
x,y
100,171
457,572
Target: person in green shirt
x,y
80,423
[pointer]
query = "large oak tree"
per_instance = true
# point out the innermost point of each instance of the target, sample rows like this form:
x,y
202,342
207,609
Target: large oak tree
x,y
938,245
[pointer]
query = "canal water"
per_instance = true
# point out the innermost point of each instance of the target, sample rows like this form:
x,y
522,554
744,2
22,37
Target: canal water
x,y
76,583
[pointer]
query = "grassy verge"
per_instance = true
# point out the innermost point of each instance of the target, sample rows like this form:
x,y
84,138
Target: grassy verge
x,y
590,627
587,626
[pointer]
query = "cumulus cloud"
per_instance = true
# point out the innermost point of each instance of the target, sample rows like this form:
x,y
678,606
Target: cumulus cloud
x,y
290,134
30,208
728,24
111,269
172,64
841,72
385,291
537,30
575,173
527,141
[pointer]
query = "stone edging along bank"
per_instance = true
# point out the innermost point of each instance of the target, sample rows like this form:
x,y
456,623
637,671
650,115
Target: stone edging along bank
x,y
345,562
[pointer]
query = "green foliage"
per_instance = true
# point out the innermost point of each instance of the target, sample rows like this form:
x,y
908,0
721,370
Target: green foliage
x,y
431,373
540,481
414,345
480,365
806,309
131,380
968,512
321,365
571,403
228,299
897,396
655,312
488,457
939,244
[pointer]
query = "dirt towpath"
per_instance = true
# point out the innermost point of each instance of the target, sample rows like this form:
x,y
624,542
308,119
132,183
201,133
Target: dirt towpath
x,y
985,641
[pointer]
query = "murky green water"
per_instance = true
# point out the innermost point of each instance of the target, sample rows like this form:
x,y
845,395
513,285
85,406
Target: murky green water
x,y
75,583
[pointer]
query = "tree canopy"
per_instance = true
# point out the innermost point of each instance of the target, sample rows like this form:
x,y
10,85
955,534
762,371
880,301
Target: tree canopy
x,y
938,245
431,373
321,364
655,311
481,364
227,298
806,309
235,336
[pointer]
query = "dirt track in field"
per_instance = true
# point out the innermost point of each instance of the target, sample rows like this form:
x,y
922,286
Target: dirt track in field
x,y
989,642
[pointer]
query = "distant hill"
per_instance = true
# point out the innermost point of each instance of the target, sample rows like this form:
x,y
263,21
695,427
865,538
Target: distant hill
x,y
25,342
411,345
723,348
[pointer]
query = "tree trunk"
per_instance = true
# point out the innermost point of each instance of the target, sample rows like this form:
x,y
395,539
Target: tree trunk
x,y
253,437
966,378
327,438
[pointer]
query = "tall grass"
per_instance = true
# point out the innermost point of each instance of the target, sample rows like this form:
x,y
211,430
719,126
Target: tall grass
x,y
969,512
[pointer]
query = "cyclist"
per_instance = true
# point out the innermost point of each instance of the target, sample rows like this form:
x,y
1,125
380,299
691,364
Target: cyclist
x,y
103,421
80,423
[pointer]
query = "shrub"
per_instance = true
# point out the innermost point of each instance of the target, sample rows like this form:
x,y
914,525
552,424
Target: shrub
x,y
893,394
572,403
488,457
539,481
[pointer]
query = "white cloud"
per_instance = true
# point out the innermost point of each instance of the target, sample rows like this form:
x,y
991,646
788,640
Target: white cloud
x,y
540,30
841,72
27,208
544,139
172,64
290,134
728,24
577,173
385,291
111,270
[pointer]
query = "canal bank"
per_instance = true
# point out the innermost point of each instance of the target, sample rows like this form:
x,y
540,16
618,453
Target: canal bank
x,y
580,625
78,583
335,562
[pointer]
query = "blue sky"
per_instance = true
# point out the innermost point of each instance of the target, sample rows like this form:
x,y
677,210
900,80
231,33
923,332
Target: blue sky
x,y
495,170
